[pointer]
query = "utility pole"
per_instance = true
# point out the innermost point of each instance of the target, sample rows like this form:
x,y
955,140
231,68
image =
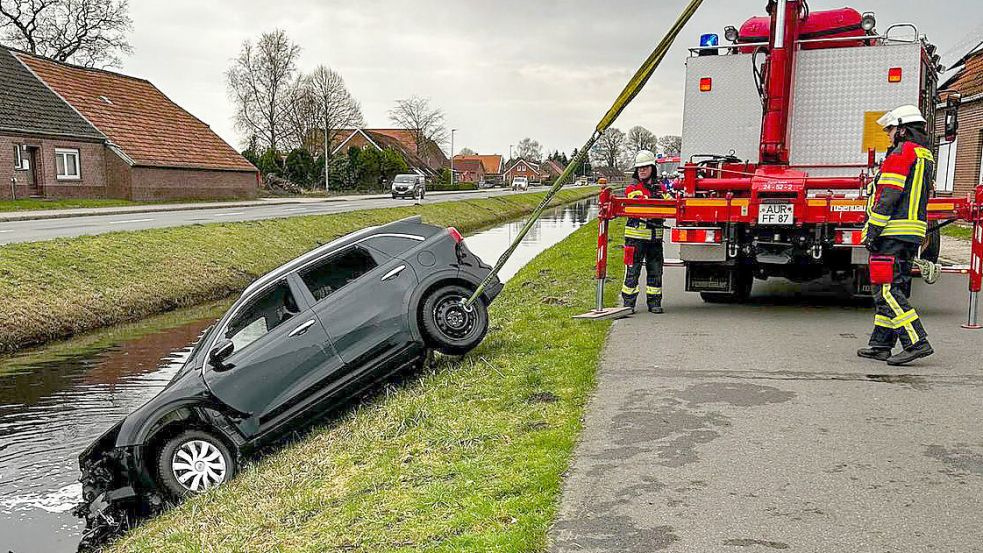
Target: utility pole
x,y
452,156
327,146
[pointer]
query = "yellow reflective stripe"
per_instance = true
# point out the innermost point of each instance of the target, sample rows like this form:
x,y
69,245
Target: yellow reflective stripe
x,y
635,194
643,233
630,291
914,196
898,313
905,227
651,291
882,321
925,153
906,319
892,178
878,219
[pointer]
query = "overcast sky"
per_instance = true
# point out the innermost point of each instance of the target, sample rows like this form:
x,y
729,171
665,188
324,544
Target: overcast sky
x,y
500,69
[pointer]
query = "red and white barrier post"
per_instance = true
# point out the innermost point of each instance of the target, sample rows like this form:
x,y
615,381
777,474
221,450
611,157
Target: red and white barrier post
x,y
976,262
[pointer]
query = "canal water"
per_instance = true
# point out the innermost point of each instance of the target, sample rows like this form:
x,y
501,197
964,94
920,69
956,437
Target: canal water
x,y
55,400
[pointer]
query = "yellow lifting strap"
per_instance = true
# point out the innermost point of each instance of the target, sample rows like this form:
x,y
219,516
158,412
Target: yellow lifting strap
x,y
631,90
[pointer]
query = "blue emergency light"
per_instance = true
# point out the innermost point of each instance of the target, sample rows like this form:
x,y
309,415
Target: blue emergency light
x,y
709,40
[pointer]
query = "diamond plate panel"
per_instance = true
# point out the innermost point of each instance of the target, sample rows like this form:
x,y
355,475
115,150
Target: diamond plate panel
x,y
833,90
729,116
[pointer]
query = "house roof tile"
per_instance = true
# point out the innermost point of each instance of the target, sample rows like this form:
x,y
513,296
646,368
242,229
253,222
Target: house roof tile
x,y
492,163
138,118
26,105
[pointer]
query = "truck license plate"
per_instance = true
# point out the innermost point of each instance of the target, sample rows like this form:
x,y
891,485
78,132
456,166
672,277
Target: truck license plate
x,y
776,214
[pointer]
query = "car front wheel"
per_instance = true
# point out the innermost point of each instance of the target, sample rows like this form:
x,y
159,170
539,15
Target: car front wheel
x,y
193,462
449,326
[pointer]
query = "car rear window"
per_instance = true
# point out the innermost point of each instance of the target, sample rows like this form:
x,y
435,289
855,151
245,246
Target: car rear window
x,y
332,274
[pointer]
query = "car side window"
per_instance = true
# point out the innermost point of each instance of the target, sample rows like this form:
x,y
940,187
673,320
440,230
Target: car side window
x,y
332,274
264,313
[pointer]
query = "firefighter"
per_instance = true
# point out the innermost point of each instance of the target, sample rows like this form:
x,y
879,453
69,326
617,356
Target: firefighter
x,y
896,226
643,238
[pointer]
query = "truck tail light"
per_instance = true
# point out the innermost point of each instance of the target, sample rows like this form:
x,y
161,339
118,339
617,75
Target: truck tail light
x,y
455,235
706,84
848,237
894,75
690,235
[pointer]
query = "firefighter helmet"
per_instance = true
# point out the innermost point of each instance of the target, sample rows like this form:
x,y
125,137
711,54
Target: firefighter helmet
x,y
901,116
644,158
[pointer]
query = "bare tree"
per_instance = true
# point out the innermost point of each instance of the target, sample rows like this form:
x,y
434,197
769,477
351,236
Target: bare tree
x,y
425,121
91,33
260,82
639,138
609,150
320,103
466,152
671,144
529,149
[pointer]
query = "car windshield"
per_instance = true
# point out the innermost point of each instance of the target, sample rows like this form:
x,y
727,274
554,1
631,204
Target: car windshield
x,y
405,179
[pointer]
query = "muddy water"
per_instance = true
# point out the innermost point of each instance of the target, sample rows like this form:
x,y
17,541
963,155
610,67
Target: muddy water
x,y
54,401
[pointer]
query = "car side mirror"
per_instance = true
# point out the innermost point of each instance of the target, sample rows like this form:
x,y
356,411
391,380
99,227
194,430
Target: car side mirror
x,y
219,353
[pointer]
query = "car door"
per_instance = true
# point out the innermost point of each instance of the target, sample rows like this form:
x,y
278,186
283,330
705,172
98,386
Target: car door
x,y
361,296
280,351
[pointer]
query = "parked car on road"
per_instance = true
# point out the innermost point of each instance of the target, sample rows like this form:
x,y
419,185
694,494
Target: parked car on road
x,y
409,186
300,341
520,183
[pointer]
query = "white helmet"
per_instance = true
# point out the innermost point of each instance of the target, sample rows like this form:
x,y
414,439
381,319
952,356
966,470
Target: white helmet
x,y
644,158
901,116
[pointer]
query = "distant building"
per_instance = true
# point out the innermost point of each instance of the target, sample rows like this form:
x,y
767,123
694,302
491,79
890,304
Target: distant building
x,y
612,174
469,170
552,168
74,132
429,161
959,163
523,168
491,165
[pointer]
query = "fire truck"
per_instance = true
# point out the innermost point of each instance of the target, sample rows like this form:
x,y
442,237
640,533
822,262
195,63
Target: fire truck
x,y
780,142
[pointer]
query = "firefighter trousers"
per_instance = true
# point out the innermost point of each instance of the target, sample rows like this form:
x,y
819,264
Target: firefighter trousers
x,y
647,253
895,319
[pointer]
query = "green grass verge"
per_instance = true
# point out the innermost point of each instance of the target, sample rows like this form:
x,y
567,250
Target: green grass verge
x,y
961,232
59,288
34,204
468,456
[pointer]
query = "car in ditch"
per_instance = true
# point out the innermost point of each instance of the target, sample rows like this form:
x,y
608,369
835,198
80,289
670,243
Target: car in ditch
x,y
301,340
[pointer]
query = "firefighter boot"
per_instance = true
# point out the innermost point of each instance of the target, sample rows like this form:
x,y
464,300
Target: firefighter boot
x,y
880,354
655,305
917,351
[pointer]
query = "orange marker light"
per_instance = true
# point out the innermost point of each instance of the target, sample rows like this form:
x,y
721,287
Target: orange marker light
x,y
894,75
706,84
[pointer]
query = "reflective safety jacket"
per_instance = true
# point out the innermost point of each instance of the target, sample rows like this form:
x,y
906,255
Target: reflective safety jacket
x,y
646,229
898,200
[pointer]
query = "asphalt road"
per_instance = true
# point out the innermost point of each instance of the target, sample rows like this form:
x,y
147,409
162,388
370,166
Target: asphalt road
x,y
47,229
722,428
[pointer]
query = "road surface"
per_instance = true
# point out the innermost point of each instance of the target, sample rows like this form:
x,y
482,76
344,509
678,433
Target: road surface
x,y
721,428
48,229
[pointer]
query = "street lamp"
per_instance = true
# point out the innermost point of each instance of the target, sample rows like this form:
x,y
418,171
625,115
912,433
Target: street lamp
x,y
452,156
326,145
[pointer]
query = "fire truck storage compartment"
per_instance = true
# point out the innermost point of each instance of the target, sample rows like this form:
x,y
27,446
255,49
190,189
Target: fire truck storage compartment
x,y
726,117
839,94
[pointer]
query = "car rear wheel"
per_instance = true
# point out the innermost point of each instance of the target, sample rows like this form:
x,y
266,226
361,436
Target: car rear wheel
x,y
193,462
449,326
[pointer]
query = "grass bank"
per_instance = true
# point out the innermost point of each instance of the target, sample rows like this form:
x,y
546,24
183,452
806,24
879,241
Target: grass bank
x,y
59,288
468,456
962,232
34,204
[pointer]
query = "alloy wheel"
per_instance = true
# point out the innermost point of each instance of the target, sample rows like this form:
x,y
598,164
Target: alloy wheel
x,y
199,465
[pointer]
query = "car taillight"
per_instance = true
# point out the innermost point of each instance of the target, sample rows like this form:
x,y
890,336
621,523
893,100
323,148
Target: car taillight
x,y
697,235
848,237
455,235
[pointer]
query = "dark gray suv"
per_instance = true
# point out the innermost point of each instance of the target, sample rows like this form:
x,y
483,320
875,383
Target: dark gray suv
x,y
300,340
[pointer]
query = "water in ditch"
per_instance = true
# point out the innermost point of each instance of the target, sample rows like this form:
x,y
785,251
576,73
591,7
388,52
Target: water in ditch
x,y
55,400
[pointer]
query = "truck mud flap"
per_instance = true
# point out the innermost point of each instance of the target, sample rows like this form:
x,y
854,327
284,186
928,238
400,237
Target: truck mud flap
x,y
710,278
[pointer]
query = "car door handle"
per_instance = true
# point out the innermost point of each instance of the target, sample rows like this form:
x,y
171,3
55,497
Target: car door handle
x,y
393,273
302,328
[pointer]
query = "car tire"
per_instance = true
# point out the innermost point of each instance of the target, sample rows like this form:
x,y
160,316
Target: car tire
x,y
394,196
193,462
447,326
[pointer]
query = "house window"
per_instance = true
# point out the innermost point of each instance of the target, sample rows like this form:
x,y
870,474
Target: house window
x,y
67,164
946,166
18,158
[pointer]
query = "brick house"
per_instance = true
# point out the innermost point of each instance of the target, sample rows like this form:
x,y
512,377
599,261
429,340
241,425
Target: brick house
x,y
612,174
402,141
492,165
469,170
960,163
552,168
523,168
73,132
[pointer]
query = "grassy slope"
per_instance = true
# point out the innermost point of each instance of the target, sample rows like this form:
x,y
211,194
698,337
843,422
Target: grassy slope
x,y
62,287
33,204
466,457
963,232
